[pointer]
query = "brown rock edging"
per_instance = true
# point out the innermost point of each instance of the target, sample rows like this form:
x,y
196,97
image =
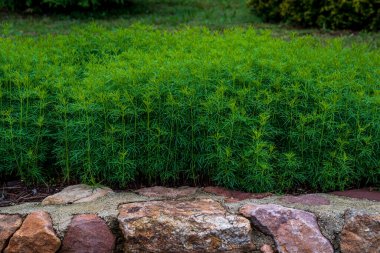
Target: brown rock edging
x,y
183,226
361,232
330,218
9,223
292,230
88,233
36,235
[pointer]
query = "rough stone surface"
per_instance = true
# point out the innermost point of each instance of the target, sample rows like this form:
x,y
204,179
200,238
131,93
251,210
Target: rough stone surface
x,y
234,196
88,233
293,230
8,225
76,194
36,235
307,199
330,217
364,193
183,226
266,249
361,233
159,191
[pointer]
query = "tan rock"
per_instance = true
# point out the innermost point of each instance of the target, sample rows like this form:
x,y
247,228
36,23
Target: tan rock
x,y
183,226
159,191
36,235
266,249
293,230
361,233
9,223
76,194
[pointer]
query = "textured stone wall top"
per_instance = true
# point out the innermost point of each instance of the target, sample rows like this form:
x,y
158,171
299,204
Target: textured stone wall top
x,y
76,194
164,192
307,199
191,220
234,196
183,226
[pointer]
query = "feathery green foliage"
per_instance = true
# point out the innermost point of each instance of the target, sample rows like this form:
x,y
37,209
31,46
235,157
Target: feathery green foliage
x,y
237,108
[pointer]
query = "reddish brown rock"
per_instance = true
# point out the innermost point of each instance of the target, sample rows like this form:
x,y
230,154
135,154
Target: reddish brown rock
x,y
36,235
361,233
292,230
234,196
76,194
364,193
307,199
183,226
266,249
159,191
88,233
9,223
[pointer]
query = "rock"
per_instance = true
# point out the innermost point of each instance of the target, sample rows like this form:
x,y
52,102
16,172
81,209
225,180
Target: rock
x,y
307,199
9,223
183,226
76,194
364,193
88,233
361,233
234,196
292,230
159,191
266,249
36,235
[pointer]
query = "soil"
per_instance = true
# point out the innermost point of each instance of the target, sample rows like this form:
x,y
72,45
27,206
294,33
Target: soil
x,y
15,192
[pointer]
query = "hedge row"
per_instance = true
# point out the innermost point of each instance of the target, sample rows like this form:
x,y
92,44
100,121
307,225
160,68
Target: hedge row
x,y
331,14
239,109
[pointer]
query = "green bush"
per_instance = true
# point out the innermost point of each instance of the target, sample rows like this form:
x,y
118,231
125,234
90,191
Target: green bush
x,y
341,14
237,108
51,4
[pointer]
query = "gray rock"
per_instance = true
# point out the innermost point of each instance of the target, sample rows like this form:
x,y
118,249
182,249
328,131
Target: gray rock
x,y
76,194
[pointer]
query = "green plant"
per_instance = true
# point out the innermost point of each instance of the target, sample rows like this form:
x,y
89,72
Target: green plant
x,y
239,108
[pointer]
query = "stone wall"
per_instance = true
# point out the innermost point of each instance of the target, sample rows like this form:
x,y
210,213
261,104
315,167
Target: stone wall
x,y
188,219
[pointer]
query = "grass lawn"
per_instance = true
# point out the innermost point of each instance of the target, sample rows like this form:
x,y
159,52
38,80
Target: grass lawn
x,y
167,14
